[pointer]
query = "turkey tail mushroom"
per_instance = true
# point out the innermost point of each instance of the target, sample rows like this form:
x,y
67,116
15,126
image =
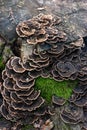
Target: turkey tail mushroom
x,y
18,93
73,115
41,28
58,100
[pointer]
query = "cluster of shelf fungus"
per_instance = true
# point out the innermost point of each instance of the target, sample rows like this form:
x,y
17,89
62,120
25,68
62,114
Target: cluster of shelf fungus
x,y
60,62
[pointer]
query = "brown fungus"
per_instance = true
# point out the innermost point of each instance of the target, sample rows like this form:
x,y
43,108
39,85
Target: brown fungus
x,y
41,28
73,115
56,51
58,100
16,65
21,96
73,97
60,62
65,69
82,101
18,91
41,111
68,120
80,89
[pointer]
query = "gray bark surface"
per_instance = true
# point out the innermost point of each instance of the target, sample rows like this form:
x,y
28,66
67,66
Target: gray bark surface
x,y
72,12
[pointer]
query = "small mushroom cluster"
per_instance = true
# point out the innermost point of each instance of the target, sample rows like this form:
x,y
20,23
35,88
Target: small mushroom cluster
x,y
41,28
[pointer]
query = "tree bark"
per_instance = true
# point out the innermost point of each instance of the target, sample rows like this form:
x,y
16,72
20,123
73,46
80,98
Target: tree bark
x,y
72,12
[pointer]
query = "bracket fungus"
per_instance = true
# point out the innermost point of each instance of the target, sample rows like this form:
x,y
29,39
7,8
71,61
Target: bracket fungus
x,y
58,100
41,28
73,116
60,62
18,93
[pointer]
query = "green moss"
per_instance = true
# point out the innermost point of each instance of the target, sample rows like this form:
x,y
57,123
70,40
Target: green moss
x,y
8,50
1,119
51,87
2,65
27,127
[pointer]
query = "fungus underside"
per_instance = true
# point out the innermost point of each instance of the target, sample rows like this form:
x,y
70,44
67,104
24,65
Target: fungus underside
x,y
51,87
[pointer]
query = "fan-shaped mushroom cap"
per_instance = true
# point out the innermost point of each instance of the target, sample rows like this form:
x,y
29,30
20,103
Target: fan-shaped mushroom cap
x,y
41,29
78,43
38,57
0,86
80,89
84,70
65,69
10,73
6,94
82,101
55,72
14,112
50,110
38,39
40,112
25,29
33,64
56,50
34,95
73,115
28,67
8,84
58,100
82,77
73,97
37,104
24,77
33,106
4,111
25,85
8,64
4,76
15,97
16,64
46,72
56,75
54,38
44,20
25,92
73,76
68,120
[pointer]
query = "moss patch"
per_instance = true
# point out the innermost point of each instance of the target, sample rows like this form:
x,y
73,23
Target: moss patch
x,y
51,87
2,65
27,127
